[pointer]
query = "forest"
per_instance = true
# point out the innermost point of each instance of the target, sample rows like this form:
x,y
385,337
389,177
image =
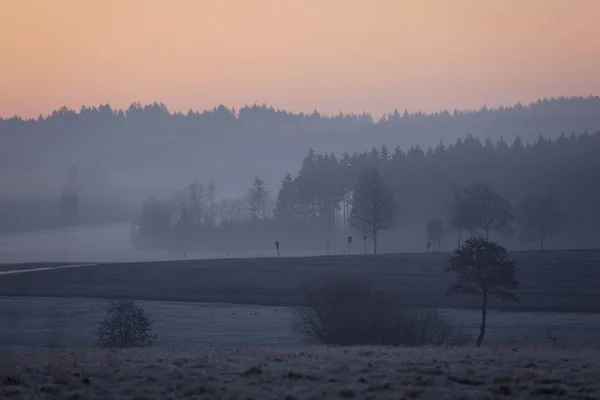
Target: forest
x,y
124,156
539,195
149,150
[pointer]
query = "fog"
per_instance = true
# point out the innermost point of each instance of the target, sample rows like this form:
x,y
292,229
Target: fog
x,y
102,244
114,160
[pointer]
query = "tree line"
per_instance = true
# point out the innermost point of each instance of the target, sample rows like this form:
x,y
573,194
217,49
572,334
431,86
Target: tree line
x,y
146,140
550,115
543,194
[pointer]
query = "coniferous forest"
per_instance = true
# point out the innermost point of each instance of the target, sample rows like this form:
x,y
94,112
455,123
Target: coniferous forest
x,y
229,181
550,188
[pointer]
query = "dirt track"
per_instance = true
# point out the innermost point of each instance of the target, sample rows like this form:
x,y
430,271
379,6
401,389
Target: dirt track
x,y
38,269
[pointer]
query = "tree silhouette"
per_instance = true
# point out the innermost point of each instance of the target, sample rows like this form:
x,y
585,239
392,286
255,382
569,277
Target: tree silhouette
x,y
126,325
435,231
463,215
483,269
286,203
373,207
487,209
542,214
258,198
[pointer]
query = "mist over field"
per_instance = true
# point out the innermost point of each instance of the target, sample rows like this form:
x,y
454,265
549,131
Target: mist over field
x,y
115,160
299,199
222,225
101,244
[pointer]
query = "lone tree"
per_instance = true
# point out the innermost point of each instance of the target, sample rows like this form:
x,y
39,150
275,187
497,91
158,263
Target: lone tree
x,y
126,325
480,207
542,215
435,231
483,269
373,206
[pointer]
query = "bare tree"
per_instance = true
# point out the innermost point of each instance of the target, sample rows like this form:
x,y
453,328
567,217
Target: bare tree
x,y
462,215
192,202
543,215
479,207
211,206
126,325
232,211
435,231
373,207
483,269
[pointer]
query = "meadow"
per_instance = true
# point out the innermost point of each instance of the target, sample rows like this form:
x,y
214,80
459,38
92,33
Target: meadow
x,y
253,301
300,373
552,281
210,347
72,322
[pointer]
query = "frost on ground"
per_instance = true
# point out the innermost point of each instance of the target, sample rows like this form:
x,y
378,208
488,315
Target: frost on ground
x,y
305,373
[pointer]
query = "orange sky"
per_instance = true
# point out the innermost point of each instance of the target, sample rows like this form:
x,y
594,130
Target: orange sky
x,y
331,55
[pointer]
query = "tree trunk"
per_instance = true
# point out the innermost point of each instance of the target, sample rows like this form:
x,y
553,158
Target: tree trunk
x,y
542,241
483,319
374,241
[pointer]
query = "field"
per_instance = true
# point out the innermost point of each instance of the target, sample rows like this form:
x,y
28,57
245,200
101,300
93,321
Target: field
x,y
552,281
71,322
307,373
227,331
251,301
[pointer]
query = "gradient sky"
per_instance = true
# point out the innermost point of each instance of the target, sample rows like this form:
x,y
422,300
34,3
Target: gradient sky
x,y
331,55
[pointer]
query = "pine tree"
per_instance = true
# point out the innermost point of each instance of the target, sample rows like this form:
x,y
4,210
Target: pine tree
x,y
258,200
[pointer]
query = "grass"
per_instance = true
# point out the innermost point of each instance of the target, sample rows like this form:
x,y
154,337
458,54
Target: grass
x,y
67,322
299,373
559,281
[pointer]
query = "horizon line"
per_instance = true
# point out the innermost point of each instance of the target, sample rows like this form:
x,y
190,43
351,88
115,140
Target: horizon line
x,y
298,113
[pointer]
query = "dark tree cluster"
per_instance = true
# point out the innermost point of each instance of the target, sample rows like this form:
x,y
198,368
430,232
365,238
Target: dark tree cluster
x,y
194,219
516,193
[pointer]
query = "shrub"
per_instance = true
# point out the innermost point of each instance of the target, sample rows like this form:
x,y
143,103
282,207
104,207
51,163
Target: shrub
x,y
347,312
126,325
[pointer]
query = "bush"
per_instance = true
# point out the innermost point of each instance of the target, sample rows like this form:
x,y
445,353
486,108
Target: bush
x,y
126,325
347,312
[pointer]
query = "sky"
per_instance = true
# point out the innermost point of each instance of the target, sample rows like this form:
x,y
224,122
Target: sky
x,y
301,55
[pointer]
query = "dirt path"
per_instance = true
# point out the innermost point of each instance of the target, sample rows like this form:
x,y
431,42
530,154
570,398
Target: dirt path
x,y
20,271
